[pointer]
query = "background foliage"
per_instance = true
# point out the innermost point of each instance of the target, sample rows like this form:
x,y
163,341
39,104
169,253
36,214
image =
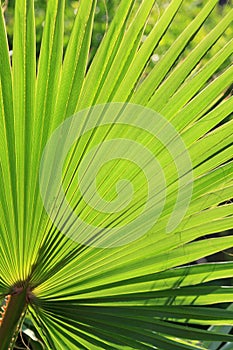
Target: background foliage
x,y
104,14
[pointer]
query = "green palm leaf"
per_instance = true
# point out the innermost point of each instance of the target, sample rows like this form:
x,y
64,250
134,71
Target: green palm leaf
x,y
89,278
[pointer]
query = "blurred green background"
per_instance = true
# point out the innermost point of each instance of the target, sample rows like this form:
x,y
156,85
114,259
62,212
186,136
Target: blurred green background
x,y
106,9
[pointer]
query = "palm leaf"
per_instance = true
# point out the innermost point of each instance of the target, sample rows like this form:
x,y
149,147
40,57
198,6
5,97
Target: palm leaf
x,y
137,289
